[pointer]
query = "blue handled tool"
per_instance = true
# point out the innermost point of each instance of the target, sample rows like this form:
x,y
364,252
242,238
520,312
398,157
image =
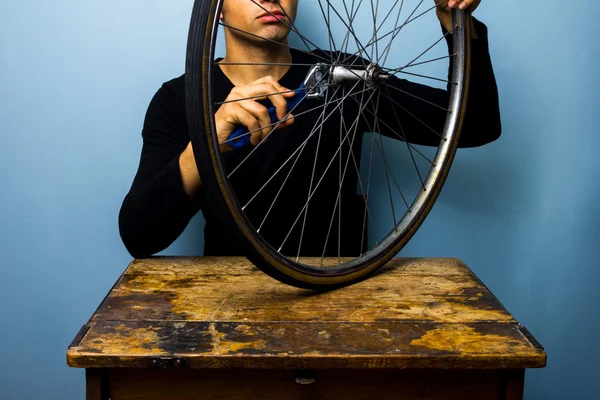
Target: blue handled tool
x,y
314,86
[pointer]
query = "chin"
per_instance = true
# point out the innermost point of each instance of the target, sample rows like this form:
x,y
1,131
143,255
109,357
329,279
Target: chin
x,y
274,33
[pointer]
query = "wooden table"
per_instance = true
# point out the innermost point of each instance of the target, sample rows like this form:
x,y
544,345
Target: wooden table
x,y
217,328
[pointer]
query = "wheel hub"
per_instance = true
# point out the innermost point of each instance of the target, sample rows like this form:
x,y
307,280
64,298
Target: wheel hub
x,y
372,75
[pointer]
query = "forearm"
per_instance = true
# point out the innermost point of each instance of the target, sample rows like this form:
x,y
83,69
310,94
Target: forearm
x,y
190,177
154,213
482,123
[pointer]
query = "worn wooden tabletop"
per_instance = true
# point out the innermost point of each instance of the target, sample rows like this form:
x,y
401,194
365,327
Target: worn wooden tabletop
x,y
221,312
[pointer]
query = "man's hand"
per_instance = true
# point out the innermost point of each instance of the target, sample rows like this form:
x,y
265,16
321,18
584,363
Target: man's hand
x,y
242,108
444,10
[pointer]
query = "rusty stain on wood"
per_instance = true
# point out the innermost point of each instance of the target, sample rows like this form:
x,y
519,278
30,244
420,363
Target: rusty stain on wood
x,y
469,339
221,312
222,344
142,340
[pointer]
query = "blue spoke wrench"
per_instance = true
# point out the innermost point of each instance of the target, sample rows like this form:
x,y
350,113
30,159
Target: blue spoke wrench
x,y
313,87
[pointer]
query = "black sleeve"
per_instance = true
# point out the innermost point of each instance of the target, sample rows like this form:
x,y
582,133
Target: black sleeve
x,y
420,120
156,210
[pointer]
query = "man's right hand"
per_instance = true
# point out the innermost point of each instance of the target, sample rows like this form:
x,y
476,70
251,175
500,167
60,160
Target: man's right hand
x,y
250,113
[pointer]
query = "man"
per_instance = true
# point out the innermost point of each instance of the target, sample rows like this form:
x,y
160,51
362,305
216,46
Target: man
x,y
167,190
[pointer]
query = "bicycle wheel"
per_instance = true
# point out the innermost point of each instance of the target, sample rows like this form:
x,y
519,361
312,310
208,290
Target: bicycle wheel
x,y
368,153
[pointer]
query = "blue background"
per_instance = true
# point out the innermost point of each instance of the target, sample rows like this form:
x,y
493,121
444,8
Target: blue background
x,y
75,81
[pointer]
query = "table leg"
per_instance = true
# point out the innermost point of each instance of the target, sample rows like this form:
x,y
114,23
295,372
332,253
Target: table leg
x,y
514,383
96,384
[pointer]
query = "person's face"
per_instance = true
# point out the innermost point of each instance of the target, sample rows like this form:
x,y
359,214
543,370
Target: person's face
x,y
251,16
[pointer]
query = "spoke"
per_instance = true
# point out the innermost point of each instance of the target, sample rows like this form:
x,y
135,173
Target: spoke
x,y
400,136
368,190
306,140
312,179
388,15
375,34
367,212
382,152
283,184
417,118
374,14
415,96
338,201
387,178
396,30
329,27
341,179
273,41
262,96
327,19
322,177
357,169
375,49
412,156
375,40
346,40
408,21
387,49
348,31
351,31
426,51
347,26
422,62
425,76
381,149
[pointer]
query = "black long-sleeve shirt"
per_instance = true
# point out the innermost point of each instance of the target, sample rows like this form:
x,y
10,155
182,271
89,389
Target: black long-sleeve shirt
x,y
156,210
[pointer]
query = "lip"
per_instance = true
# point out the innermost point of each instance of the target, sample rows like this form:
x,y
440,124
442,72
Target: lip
x,y
272,13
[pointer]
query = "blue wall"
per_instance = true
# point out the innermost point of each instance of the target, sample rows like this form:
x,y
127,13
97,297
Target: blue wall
x,y
76,78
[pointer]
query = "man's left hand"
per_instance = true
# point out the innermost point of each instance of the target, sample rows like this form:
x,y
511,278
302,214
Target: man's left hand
x,y
444,10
